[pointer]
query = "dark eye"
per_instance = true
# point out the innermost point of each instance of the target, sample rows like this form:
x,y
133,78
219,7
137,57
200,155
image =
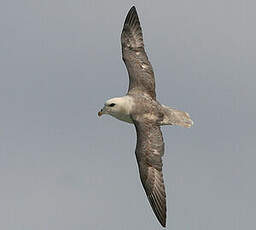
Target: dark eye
x,y
112,104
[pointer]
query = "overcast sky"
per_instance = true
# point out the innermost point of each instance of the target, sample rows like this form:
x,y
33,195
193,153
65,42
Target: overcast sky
x,y
62,168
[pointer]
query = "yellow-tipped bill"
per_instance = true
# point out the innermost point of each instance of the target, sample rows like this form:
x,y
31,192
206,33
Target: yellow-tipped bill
x,y
100,113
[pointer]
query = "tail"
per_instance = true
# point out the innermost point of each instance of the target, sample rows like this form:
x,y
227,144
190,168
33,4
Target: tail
x,y
176,117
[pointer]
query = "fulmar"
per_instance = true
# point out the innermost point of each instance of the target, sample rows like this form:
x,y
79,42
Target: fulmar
x,y
140,107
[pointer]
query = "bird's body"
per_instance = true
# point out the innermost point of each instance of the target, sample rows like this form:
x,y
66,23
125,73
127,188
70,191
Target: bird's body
x,y
140,107
143,105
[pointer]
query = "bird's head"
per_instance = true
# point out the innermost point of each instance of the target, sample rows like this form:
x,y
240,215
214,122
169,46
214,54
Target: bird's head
x,y
113,107
119,107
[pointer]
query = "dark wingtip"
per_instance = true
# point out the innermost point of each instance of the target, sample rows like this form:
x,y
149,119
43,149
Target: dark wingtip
x,y
132,33
133,8
131,14
163,223
159,207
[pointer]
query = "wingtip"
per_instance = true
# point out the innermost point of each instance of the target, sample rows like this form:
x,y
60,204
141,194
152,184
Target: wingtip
x,y
132,13
132,33
158,208
163,224
133,8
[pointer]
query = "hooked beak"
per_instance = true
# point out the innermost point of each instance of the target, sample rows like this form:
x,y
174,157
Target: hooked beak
x,y
100,113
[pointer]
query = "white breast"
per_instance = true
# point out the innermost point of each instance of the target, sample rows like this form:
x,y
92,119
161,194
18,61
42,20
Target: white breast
x,y
123,117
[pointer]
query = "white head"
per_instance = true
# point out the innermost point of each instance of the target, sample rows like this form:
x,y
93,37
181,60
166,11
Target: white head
x,y
118,107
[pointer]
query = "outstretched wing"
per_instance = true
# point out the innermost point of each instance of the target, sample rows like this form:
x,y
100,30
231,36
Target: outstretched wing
x,y
141,75
149,150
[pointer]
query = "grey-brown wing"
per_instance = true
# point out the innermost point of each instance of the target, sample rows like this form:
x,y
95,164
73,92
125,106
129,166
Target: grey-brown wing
x,y
149,152
141,75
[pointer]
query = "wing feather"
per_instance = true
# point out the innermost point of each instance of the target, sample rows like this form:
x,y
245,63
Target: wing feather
x,y
149,151
141,75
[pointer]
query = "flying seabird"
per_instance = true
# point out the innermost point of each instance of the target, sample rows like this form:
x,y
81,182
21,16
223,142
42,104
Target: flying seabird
x,y
140,107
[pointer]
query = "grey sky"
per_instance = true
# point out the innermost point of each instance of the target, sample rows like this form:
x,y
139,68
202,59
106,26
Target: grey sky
x,y
61,167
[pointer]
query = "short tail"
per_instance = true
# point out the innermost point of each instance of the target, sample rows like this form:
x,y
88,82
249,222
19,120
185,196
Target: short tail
x,y
176,117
